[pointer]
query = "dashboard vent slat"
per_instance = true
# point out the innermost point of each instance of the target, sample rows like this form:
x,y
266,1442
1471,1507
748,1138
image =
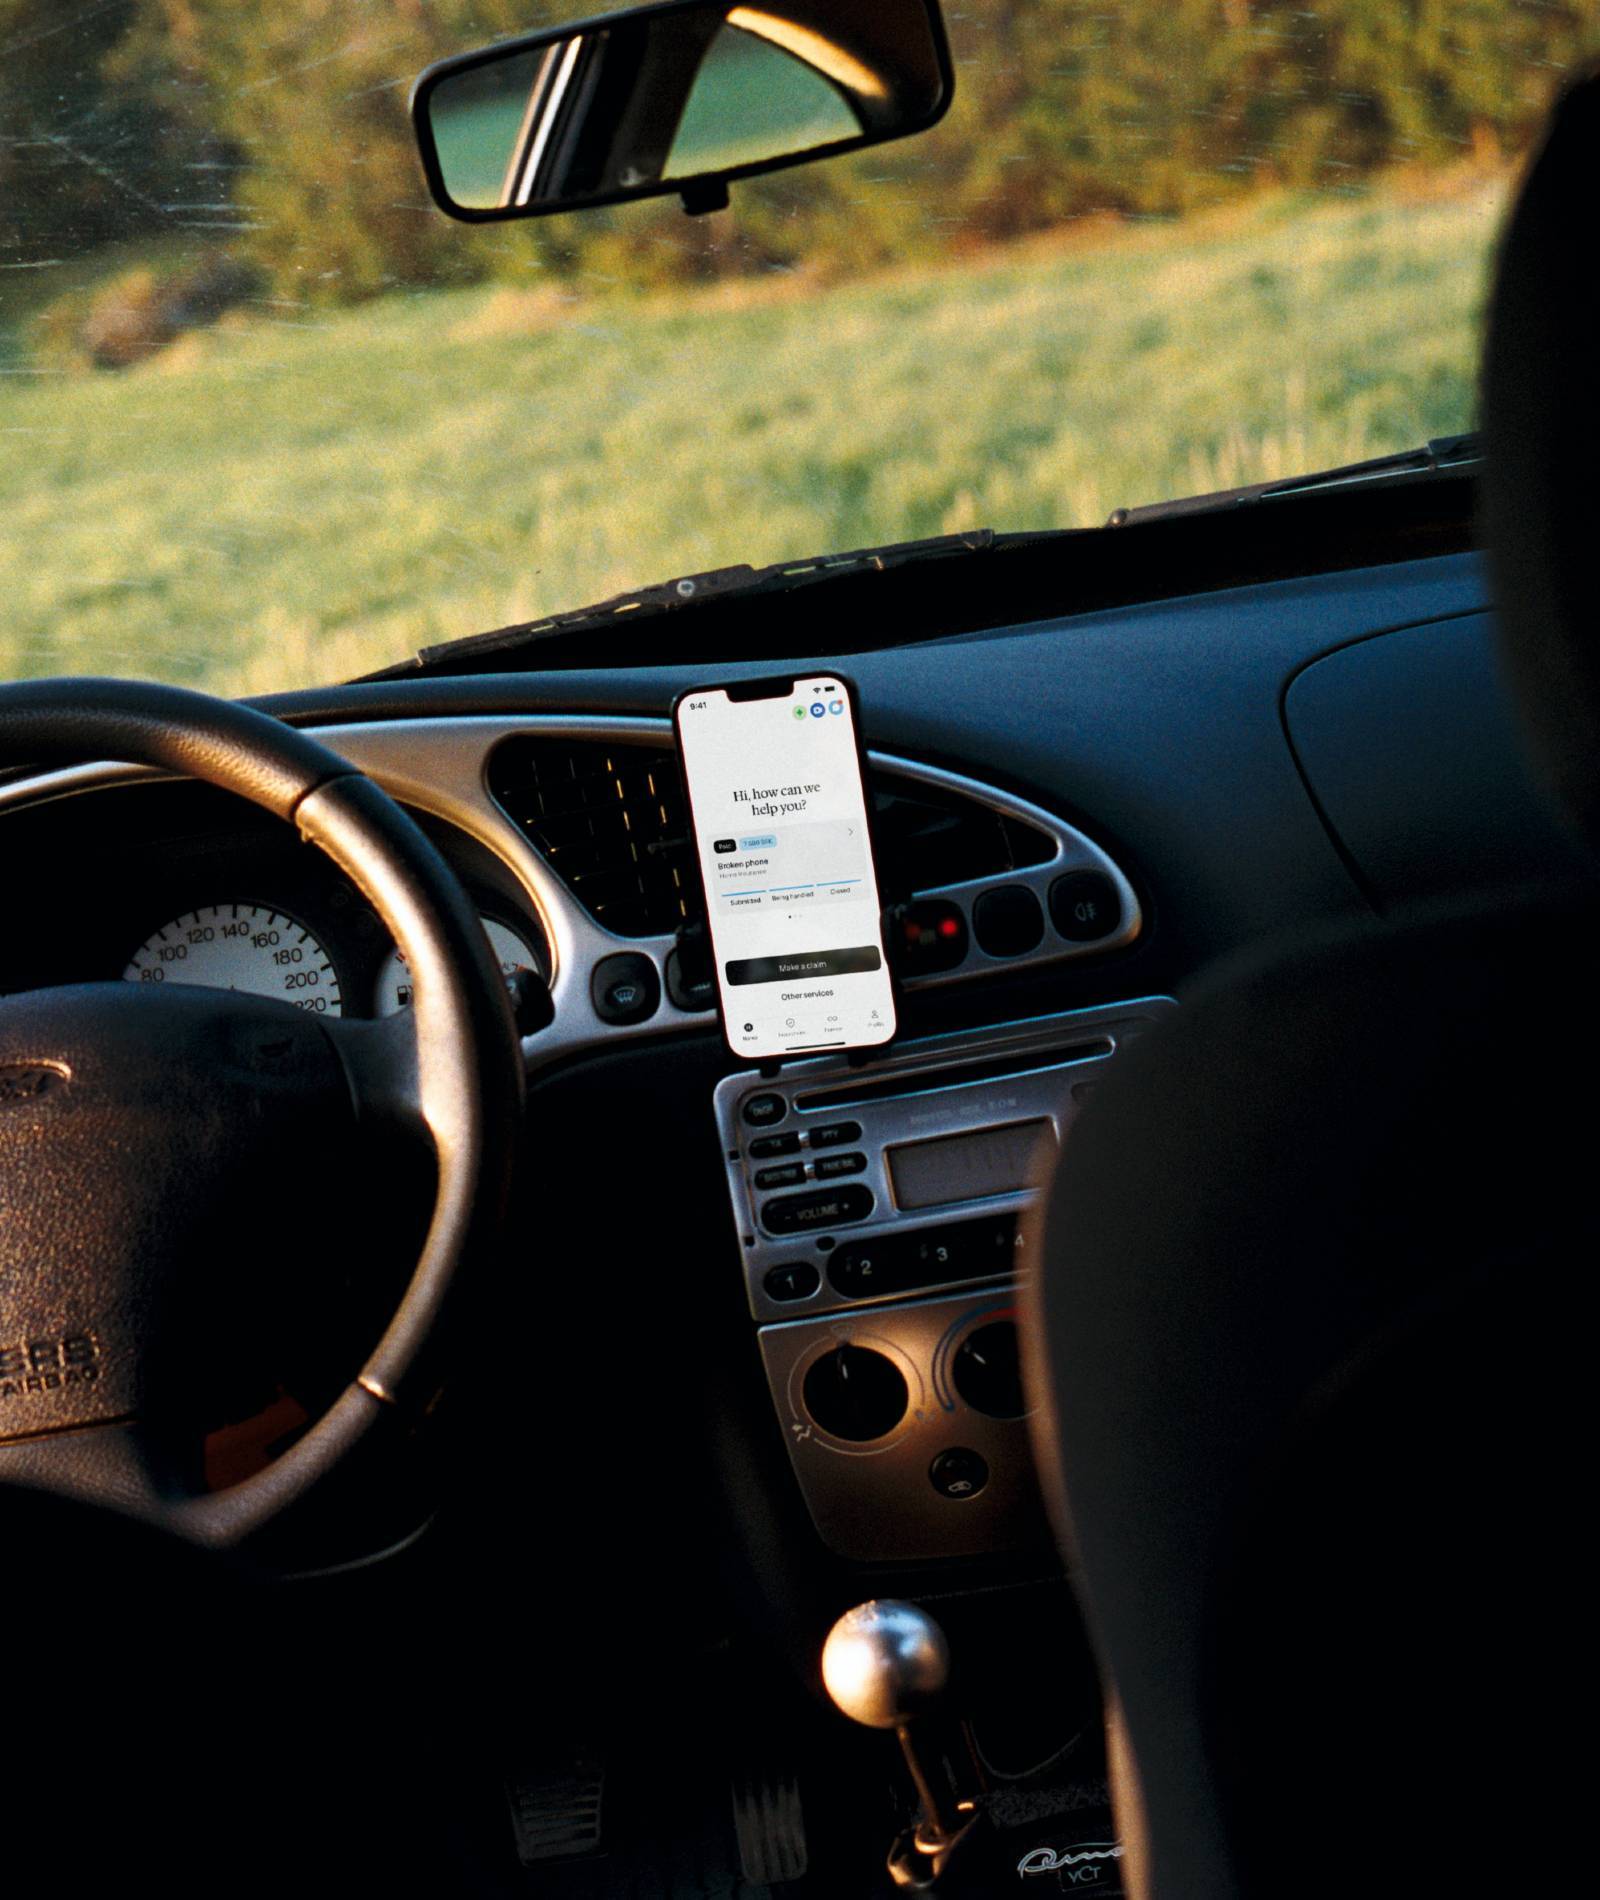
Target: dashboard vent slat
x,y
611,821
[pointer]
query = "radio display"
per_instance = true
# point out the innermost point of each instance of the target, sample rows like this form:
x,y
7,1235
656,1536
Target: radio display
x,y
967,1167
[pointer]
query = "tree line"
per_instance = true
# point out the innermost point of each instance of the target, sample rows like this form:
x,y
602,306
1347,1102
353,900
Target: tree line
x,y
277,137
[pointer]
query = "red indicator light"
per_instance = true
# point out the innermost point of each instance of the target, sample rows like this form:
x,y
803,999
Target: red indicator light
x,y
948,926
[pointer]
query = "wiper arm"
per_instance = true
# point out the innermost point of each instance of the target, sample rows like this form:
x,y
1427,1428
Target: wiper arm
x,y
719,582
1444,455
1448,455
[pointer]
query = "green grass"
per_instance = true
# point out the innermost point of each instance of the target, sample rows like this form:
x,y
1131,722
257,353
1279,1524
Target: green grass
x,y
306,496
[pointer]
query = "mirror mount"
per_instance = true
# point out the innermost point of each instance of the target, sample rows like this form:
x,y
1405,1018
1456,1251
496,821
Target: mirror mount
x,y
703,195
678,98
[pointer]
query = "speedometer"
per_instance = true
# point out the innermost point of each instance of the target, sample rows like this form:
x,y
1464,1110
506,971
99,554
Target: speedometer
x,y
241,947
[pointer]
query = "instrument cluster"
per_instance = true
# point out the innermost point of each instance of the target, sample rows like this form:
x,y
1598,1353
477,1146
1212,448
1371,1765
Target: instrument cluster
x,y
173,896
271,952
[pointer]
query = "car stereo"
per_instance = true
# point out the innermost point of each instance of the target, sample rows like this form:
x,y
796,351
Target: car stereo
x,y
880,1209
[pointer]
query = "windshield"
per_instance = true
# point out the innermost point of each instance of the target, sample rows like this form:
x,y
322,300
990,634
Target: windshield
x,y
267,418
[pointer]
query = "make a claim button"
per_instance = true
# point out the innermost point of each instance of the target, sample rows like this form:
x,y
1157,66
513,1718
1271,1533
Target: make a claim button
x,y
803,965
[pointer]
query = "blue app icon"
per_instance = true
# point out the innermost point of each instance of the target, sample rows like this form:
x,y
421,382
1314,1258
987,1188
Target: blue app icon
x,y
836,705
816,709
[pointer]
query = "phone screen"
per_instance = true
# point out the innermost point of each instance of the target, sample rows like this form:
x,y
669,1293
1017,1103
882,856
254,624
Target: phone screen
x,y
780,819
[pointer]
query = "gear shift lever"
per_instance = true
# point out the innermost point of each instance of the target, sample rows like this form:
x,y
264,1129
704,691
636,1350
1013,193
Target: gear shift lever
x,y
886,1664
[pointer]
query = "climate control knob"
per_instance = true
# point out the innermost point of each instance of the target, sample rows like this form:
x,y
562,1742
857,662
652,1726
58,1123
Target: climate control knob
x,y
856,1393
987,1370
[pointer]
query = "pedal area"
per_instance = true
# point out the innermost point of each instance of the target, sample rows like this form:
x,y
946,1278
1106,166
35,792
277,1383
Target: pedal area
x,y
771,1795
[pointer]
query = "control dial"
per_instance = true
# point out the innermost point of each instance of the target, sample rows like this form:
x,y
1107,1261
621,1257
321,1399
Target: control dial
x,y
987,1370
856,1393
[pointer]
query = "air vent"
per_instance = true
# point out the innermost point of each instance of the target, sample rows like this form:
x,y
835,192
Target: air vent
x,y
611,821
928,839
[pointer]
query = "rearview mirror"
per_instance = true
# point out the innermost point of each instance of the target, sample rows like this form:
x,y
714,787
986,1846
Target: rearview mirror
x,y
679,98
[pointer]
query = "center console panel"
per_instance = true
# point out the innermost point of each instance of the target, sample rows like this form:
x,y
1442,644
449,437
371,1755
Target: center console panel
x,y
880,1209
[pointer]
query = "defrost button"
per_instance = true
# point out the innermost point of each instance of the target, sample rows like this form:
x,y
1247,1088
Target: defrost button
x,y
625,988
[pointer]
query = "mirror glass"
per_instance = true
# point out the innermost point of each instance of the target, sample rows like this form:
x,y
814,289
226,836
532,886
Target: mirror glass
x,y
648,101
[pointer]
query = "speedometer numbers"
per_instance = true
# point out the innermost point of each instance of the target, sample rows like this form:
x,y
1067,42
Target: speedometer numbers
x,y
269,953
241,947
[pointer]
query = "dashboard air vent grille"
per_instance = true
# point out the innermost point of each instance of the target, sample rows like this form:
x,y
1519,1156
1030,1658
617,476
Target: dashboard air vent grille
x,y
611,821
927,839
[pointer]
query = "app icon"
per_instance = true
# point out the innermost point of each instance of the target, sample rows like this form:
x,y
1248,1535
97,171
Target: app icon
x,y
836,705
799,712
816,709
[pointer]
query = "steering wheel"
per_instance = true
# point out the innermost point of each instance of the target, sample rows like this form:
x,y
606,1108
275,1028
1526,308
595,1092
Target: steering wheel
x,y
143,1124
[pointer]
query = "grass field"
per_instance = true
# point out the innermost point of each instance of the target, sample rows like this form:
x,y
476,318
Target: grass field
x,y
304,496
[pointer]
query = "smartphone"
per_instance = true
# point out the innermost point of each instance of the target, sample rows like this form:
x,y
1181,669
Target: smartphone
x,y
778,807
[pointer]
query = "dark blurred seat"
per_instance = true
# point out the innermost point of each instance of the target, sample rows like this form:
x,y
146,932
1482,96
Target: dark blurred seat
x,y
1310,1332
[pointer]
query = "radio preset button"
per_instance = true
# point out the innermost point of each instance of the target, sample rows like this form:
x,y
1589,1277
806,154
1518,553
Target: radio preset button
x,y
875,1267
898,1263
766,1145
794,1280
835,1134
965,1250
800,1213
788,1175
761,1111
998,1241
944,1255
830,1165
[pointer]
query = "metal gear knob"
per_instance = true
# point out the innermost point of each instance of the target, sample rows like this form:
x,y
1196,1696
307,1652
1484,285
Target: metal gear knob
x,y
886,1663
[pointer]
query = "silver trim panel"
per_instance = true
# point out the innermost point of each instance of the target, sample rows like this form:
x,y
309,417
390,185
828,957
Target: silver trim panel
x,y
1038,1089
439,766
876,1501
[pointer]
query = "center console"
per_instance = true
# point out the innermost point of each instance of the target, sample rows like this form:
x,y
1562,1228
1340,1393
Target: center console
x,y
881,1209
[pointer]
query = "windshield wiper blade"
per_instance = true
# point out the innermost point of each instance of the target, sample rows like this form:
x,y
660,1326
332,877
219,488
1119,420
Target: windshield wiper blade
x,y
1447,455
1444,455
690,590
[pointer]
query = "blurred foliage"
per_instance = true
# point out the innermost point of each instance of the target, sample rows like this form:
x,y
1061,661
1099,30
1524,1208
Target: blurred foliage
x,y
83,158
279,133
120,319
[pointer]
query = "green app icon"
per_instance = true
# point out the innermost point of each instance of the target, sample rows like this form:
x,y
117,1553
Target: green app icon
x,y
799,712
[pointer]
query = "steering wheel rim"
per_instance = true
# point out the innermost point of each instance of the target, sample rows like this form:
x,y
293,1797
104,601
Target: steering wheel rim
x,y
452,1063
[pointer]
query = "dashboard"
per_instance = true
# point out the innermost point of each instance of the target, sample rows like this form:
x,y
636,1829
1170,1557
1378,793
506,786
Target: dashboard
x,y
1074,818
